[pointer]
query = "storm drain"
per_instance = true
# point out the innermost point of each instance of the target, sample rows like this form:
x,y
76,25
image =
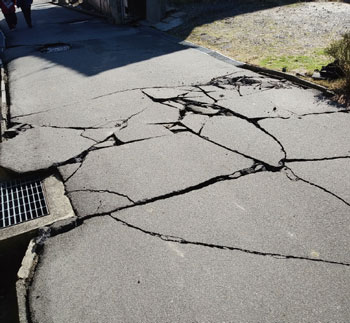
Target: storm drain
x,y
21,201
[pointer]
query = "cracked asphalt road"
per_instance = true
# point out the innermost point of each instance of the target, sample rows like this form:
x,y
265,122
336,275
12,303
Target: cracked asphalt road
x,y
205,192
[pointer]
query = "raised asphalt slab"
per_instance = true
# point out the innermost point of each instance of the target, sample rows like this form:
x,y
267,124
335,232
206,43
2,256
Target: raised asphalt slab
x,y
204,192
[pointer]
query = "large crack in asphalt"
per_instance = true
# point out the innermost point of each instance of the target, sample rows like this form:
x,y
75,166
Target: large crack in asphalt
x,y
294,177
180,240
256,168
103,191
190,105
293,160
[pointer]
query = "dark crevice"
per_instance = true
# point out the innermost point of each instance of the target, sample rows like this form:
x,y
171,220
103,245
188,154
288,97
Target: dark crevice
x,y
293,160
274,138
30,114
256,168
116,92
241,81
206,93
293,177
298,116
16,129
102,191
139,89
162,100
216,110
71,175
121,143
82,135
257,119
268,167
321,113
221,247
97,141
72,128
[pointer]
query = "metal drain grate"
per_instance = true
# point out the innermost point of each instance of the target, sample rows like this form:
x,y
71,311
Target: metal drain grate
x,y
21,201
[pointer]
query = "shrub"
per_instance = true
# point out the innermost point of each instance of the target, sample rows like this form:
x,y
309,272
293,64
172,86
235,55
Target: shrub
x,y
340,51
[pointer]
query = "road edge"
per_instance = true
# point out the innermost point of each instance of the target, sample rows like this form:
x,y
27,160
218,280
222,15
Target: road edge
x,y
261,70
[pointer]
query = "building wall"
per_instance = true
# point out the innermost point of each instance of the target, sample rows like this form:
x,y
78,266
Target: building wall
x,y
102,6
155,9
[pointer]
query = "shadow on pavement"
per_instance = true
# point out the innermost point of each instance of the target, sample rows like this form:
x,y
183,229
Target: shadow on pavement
x,y
97,46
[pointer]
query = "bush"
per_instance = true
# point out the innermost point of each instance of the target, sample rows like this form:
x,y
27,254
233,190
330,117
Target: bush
x,y
340,51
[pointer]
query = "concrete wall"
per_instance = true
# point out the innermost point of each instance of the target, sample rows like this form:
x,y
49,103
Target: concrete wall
x,y
102,6
155,9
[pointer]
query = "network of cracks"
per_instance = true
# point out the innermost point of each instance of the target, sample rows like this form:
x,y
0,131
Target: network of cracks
x,y
249,136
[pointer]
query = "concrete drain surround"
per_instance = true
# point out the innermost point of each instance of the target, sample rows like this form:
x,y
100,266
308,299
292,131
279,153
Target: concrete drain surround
x,y
21,201
54,48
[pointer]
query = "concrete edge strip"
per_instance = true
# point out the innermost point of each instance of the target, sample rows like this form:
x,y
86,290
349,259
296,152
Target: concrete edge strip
x,y
24,277
258,69
3,103
31,259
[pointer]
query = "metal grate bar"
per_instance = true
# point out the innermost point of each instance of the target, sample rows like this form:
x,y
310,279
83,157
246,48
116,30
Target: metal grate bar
x,y
21,201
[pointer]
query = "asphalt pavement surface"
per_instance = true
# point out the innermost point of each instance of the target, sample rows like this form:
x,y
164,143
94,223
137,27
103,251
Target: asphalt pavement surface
x,y
205,192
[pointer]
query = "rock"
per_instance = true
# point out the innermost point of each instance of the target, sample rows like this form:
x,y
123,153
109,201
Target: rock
x,y
317,76
332,71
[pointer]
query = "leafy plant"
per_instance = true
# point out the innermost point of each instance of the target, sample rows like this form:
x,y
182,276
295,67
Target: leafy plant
x,y
340,51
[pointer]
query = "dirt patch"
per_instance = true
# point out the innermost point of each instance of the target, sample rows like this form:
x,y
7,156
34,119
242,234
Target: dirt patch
x,y
270,33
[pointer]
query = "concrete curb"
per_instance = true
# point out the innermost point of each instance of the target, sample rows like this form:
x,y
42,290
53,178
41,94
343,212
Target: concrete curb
x,y
31,259
260,70
24,277
3,103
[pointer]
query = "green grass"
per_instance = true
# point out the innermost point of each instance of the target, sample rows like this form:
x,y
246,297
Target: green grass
x,y
308,63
